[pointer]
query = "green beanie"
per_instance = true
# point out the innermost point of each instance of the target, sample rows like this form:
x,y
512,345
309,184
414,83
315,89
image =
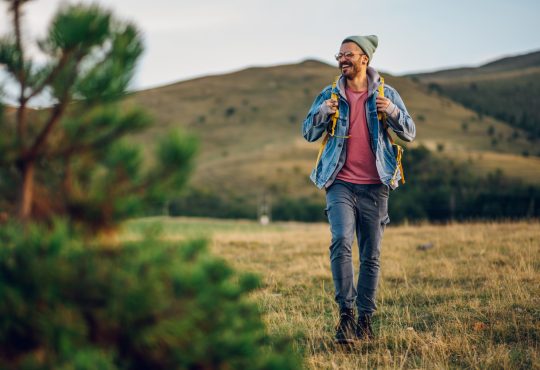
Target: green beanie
x,y
367,43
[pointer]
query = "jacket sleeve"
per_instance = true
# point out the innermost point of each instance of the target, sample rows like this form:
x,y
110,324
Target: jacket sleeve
x,y
402,123
316,121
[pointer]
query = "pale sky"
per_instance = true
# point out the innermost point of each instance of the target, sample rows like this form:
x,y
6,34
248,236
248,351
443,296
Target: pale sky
x,y
187,39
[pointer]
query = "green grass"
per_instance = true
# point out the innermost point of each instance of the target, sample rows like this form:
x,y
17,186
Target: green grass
x,y
470,301
185,228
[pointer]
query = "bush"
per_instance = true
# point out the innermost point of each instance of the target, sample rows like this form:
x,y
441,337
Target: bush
x,y
65,304
205,203
302,209
440,190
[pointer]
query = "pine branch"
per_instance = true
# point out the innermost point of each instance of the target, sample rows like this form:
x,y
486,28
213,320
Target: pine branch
x,y
52,75
21,120
56,114
101,141
16,9
88,147
21,110
68,177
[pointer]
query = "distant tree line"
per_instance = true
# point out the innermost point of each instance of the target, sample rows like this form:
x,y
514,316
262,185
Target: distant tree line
x,y
437,189
513,101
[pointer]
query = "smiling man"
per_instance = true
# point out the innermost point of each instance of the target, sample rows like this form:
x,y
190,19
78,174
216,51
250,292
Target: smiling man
x,y
357,167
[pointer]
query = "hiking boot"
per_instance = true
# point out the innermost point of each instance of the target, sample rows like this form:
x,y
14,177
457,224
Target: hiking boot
x,y
346,329
363,328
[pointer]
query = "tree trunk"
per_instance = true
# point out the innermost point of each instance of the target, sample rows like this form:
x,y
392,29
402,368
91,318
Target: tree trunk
x,y
27,195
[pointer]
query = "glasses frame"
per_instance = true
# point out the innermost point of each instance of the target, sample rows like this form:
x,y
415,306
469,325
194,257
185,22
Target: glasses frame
x,y
338,56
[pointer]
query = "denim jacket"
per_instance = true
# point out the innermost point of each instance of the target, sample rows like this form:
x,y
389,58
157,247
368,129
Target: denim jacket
x,y
334,154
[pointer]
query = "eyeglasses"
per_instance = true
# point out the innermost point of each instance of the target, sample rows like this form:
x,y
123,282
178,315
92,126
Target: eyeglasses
x,y
348,55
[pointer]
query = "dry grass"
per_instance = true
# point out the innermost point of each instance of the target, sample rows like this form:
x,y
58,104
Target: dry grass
x,y
470,301
512,165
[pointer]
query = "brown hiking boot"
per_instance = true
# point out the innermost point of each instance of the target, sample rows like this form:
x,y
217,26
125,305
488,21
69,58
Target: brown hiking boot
x,y
363,328
346,329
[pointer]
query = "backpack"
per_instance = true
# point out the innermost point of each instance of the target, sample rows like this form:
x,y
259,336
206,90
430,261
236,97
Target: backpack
x,y
398,149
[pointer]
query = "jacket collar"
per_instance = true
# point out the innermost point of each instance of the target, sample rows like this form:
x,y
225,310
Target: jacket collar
x,y
374,80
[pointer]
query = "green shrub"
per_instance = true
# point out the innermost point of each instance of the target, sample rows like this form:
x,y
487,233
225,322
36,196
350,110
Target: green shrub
x,y
440,190
302,209
230,111
67,304
200,202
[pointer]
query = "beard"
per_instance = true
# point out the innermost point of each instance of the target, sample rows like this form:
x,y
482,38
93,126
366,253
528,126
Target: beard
x,y
349,69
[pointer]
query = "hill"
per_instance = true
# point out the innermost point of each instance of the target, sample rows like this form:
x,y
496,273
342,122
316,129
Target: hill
x,y
506,64
507,89
249,126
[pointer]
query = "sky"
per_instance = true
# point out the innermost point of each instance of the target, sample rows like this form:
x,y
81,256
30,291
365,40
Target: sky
x,y
188,39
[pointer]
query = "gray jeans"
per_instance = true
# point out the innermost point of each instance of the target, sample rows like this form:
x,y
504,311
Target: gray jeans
x,y
364,209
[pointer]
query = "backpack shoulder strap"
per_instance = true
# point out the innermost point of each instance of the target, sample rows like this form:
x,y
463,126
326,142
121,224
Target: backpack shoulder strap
x,y
335,97
399,150
335,117
382,116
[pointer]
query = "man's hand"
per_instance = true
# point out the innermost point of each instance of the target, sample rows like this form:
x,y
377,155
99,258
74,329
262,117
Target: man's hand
x,y
385,105
329,107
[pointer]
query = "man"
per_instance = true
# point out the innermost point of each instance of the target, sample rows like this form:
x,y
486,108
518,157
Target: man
x,y
357,168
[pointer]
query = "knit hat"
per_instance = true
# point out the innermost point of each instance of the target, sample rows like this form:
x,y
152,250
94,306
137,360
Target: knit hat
x,y
367,43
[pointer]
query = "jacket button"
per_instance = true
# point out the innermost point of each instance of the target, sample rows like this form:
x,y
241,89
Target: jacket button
x,y
340,145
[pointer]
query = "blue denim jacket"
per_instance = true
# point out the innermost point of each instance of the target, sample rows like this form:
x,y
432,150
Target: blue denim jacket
x,y
333,156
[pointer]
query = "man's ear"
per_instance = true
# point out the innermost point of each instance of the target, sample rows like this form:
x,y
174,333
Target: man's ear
x,y
365,59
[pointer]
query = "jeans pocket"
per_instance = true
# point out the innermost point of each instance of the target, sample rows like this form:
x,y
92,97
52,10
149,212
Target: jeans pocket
x,y
385,191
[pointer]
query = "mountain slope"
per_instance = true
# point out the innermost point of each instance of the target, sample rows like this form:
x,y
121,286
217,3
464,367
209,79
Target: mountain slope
x,y
506,64
507,89
249,126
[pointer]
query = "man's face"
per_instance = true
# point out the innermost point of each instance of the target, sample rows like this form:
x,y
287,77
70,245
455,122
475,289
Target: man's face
x,y
350,67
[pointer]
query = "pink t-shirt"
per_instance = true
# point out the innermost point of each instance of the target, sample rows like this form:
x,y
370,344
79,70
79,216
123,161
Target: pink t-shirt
x,y
359,167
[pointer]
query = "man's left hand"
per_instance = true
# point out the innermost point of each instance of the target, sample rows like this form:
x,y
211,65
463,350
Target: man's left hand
x,y
385,105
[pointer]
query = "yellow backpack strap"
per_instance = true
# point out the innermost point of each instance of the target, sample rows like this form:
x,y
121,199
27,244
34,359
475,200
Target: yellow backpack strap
x,y
399,156
334,96
335,117
382,117
321,148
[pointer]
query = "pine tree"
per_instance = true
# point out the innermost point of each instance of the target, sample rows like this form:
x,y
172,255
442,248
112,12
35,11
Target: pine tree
x,y
67,301
69,159
149,305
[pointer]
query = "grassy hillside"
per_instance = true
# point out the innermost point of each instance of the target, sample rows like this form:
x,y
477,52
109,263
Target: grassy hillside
x,y
249,126
471,301
507,89
507,64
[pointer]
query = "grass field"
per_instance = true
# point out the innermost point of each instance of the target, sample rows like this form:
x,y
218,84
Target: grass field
x,y
473,300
